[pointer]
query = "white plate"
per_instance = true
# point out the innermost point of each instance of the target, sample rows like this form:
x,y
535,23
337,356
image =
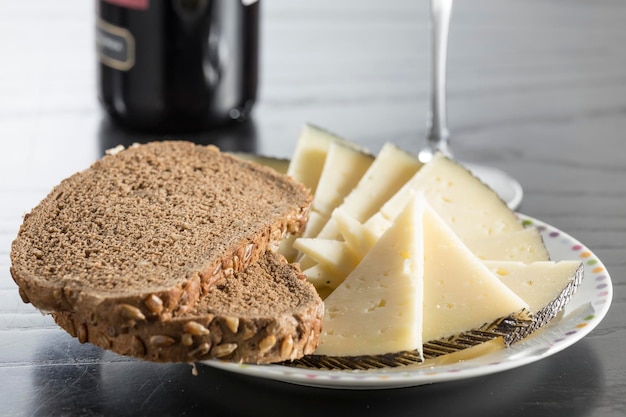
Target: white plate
x,y
583,313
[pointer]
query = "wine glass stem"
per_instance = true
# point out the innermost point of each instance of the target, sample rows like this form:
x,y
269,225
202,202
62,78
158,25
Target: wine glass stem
x,y
438,135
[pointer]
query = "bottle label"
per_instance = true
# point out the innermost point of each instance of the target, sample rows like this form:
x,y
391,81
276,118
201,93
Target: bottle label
x,y
115,46
130,4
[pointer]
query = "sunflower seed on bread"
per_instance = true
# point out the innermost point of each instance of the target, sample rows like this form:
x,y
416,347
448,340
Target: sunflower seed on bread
x,y
264,314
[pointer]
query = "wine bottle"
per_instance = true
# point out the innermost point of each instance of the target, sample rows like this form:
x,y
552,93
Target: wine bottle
x,y
177,65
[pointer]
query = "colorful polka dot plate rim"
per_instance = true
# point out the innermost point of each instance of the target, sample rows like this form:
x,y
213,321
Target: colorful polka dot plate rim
x,y
581,315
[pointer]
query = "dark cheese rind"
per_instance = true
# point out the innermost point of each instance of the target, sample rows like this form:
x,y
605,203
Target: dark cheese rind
x,y
509,328
550,311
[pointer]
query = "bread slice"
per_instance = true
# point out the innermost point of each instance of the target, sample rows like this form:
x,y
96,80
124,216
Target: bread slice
x,y
266,313
146,232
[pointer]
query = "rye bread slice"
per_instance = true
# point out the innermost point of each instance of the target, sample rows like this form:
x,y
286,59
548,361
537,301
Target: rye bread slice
x,y
147,231
266,313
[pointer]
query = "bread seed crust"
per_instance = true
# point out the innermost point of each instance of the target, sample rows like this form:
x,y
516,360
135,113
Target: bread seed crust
x,y
225,325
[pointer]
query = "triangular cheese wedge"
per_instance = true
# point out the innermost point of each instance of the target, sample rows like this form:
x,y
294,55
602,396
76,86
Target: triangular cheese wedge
x,y
343,168
524,245
306,166
378,308
333,255
314,224
460,292
539,283
355,235
391,169
467,205
322,279
307,160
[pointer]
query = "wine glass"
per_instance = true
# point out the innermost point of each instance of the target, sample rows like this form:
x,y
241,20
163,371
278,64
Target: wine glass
x,y
438,136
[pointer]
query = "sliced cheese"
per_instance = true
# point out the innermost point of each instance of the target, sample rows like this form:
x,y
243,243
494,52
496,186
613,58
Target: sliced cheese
x,y
460,292
525,245
470,207
307,160
308,163
324,280
391,169
343,168
538,283
356,236
378,308
286,248
332,254
314,224
522,245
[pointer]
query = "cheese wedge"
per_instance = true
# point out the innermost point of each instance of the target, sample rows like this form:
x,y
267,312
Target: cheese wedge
x,y
314,225
467,205
456,297
460,292
334,255
322,279
378,308
307,166
356,236
391,169
343,168
540,284
525,245
307,160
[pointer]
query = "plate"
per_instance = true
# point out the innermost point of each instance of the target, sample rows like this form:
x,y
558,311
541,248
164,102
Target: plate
x,y
581,315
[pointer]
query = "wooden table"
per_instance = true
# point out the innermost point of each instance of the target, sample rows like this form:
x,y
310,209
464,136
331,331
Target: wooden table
x,y
536,88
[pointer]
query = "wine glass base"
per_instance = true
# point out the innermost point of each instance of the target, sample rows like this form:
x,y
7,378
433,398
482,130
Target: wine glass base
x,y
509,190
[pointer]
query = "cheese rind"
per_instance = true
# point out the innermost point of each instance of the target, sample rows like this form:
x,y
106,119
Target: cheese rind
x,y
378,308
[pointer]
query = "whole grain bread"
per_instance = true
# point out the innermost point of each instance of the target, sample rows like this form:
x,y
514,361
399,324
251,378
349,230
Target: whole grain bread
x,y
146,232
266,313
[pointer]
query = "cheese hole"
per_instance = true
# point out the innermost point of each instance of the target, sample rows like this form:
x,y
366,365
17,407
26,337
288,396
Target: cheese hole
x,y
381,303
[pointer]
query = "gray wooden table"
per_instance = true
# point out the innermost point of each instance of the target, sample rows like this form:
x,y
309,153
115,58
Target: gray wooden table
x,y
536,88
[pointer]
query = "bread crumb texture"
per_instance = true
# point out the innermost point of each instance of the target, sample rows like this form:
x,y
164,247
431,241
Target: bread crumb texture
x,y
265,288
149,217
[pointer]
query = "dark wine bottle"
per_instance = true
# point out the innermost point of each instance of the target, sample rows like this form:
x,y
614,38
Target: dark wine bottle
x,y
177,65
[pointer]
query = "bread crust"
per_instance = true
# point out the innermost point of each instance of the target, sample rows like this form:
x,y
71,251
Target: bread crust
x,y
105,243
277,334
